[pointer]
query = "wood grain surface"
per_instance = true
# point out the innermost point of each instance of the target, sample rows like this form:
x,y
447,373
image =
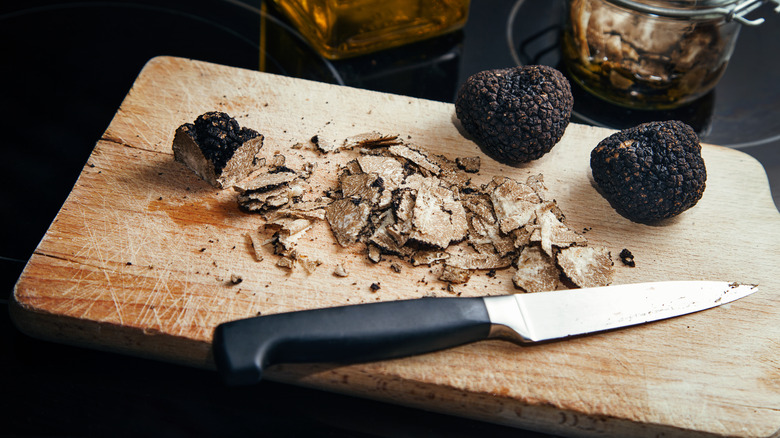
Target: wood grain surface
x,y
139,260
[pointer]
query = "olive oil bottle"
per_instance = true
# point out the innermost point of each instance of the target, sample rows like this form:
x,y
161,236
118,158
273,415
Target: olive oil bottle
x,y
343,28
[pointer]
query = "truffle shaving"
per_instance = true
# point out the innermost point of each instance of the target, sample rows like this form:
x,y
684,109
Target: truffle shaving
x,y
553,232
365,187
478,261
438,218
390,170
347,220
418,158
454,275
514,204
536,271
429,257
265,181
587,266
370,140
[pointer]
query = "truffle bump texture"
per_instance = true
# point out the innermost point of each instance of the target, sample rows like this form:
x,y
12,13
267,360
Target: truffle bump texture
x,y
650,172
517,114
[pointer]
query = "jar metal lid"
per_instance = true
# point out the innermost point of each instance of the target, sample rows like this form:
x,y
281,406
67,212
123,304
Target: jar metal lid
x,y
706,9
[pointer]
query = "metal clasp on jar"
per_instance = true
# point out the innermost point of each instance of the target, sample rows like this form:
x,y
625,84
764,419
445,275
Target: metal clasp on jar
x,y
735,10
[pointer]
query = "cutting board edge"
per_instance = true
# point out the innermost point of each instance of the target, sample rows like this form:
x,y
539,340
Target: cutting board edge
x,y
761,177
542,418
108,337
449,401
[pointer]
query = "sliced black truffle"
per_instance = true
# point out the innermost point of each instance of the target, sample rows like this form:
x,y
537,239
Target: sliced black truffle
x,y
216,148
517,114
652,171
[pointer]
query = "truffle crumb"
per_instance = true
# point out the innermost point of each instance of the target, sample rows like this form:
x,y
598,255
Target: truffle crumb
x,y
627,258
308,264
455,275
374,254
235,279
374,287
256,242
469,164
285,262
339,271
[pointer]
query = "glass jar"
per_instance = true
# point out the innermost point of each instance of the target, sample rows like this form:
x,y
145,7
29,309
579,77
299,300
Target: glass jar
x,y
651,54
343,28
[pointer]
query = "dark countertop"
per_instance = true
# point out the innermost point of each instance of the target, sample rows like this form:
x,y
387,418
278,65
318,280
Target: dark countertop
x,y
68,65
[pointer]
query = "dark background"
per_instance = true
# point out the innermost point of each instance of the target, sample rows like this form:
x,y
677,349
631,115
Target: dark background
x,y
66,66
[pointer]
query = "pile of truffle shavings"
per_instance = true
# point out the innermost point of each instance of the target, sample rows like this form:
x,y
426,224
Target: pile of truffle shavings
x,y
276,191
398,200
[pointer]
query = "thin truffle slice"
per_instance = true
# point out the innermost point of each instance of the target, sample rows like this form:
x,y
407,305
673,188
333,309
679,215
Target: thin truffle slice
x,y
268,190
217,149
587,266
265,181
552,232
514,204
364,140
428,257
478,261
536,271
347,220
391,172
289,230
370,140
438,218
416,157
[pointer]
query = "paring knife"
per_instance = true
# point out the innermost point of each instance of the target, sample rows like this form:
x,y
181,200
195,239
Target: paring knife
x,y
392,329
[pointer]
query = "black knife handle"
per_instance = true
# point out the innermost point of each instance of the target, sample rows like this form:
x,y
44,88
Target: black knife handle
x,y
348,334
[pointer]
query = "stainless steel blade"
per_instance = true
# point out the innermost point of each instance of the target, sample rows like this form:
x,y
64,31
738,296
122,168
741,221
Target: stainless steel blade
x,y
558,314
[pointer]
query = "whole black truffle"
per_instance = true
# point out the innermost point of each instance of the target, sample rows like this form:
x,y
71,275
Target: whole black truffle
x,y
516,114
652,171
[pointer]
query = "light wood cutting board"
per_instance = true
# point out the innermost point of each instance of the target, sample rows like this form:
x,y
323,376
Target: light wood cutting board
x,y
139,260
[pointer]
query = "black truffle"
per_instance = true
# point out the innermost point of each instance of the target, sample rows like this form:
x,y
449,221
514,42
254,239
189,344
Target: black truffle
x,y
517,114
218,136
217,149
652,171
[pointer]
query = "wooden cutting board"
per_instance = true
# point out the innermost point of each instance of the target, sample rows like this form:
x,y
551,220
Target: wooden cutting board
x,y
140,257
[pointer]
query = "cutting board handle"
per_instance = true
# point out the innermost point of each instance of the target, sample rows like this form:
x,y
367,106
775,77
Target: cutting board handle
x,y
358,333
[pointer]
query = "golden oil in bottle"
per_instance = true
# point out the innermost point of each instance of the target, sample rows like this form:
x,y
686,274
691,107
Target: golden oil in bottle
x,y
342,28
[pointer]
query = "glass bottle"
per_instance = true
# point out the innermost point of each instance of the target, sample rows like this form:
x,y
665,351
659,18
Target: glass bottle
x,y
342,28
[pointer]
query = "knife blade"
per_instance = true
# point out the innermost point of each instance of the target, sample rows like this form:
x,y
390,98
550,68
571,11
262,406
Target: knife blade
x,y
385,330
